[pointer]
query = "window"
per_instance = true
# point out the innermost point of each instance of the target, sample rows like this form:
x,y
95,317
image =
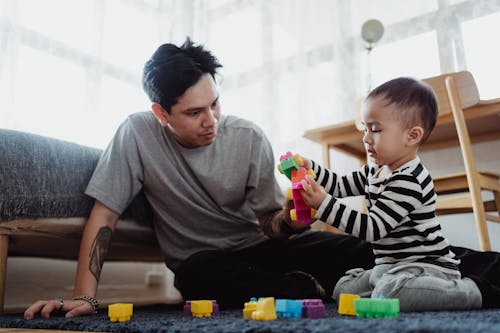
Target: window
x,y
71,69
415,56
70,22
49,95
482,53
236,40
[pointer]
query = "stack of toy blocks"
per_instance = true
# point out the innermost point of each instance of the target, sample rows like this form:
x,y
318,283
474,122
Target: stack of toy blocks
x,y
377,307
265,309
249,308
313,308
292,166
287,308
346,304
120,312
201,308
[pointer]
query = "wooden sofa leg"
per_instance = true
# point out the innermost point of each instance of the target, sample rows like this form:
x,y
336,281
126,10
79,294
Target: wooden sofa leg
x,y
4,246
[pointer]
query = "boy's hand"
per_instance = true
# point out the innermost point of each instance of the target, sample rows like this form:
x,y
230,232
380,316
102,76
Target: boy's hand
x,y
313,194
306,163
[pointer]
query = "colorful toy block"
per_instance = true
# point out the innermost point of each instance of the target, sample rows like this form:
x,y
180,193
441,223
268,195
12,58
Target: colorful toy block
x,y
249,308
346,304
201,308
187,308
313,308
377,307
287,164
292,166
120,312
265,309
287,308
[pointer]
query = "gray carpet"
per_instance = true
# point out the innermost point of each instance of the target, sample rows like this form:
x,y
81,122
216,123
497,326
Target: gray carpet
x,y
166,318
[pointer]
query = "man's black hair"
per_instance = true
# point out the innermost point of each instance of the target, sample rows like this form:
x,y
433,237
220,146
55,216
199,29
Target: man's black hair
x,y
173,69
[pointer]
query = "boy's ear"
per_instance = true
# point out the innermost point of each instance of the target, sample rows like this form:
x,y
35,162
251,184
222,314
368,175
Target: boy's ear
x,y
415,135
159,113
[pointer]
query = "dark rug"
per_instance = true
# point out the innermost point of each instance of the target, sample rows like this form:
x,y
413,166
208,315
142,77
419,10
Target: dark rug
x,y
168,318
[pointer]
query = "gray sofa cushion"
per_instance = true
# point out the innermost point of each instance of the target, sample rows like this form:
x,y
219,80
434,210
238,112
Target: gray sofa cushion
x,y
44,177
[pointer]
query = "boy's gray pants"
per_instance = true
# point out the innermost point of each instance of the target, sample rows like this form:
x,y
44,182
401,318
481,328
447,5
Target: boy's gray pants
x,y
418,287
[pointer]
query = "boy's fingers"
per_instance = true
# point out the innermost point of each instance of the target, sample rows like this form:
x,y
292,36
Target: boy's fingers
x,y
312,183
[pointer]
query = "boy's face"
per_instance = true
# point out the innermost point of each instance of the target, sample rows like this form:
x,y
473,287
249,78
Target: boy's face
x,y
386,141
194,118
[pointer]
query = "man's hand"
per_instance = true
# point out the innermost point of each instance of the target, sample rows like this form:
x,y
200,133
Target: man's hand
x,y
279,224
297,226
70,308
291,227
312,194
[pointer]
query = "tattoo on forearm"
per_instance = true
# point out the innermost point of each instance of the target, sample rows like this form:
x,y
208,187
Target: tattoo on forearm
x,y
98,251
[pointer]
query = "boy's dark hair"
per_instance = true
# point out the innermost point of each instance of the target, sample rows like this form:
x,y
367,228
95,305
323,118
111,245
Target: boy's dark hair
x,y
417,101
172,70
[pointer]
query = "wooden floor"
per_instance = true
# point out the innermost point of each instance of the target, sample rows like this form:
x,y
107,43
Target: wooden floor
x,y
30,279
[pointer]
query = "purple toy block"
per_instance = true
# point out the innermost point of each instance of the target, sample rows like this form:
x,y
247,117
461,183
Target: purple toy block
x,y
187,308
215,308
313,308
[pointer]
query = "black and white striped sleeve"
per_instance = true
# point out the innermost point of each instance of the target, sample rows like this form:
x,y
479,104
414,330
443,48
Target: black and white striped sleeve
x,y
349,185
402,195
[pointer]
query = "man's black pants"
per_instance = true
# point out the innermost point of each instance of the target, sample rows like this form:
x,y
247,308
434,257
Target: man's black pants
x,y
233,277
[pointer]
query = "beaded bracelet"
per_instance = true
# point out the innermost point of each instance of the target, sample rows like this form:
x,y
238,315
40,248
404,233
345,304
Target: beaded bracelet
x,y
91,300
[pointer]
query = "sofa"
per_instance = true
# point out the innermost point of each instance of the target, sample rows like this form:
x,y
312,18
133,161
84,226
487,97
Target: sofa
x,y
43,208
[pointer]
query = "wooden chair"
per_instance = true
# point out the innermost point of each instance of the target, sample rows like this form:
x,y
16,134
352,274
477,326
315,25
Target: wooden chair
x,y
457,92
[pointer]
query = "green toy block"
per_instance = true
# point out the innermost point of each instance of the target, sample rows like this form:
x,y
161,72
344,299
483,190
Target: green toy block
x,y
287,165
377,307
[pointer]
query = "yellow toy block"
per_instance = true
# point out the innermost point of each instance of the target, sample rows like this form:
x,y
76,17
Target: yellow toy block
x,y
346,304
120,312
201,308
249,308
265,309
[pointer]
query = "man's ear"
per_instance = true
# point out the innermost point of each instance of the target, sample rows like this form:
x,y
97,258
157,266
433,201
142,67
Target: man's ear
x,y
415,135
159,113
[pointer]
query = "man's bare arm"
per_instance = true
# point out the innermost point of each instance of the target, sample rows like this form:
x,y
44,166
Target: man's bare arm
x,y
94,245
93,248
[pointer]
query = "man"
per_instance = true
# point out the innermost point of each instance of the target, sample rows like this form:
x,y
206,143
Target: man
x,y
217,208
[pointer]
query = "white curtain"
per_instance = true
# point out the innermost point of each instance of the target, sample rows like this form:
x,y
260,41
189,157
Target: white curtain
x,y
71,68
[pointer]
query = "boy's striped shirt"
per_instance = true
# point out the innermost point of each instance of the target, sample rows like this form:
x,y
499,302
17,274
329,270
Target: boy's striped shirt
x,y
400,223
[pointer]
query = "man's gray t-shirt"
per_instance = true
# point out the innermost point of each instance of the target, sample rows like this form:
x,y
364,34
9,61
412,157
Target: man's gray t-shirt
x,y
203,198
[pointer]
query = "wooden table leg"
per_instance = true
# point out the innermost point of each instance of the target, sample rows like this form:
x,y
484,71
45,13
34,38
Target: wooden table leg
x,y
4,243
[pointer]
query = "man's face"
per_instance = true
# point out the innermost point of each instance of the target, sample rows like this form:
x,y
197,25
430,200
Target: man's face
x,y
194,118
